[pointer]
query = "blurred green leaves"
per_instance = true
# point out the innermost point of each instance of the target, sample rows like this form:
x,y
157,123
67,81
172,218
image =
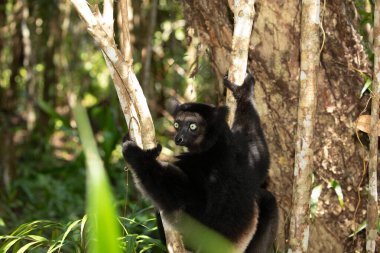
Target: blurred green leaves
x,y
104,229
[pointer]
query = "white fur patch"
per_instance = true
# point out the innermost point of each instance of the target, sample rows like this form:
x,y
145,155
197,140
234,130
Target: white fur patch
x,y
247,235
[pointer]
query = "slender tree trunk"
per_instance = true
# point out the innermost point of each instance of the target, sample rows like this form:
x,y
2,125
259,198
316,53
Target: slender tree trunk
x,y
192,62
244,12
372,208
147,85
9,97
299,231
31,90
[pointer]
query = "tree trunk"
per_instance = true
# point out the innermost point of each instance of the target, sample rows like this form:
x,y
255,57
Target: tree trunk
x,y
8,96
274,60
299,230
372,209
244,12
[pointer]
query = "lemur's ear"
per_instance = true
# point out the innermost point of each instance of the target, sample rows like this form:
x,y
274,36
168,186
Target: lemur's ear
x,y
172,106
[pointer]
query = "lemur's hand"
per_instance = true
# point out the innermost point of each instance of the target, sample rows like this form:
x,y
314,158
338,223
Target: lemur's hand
x,y
132,152
241,91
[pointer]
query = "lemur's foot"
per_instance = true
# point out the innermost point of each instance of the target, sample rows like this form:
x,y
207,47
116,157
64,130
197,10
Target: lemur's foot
x,y
240,91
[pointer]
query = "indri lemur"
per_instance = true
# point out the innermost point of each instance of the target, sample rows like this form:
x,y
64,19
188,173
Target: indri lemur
x,y
219,181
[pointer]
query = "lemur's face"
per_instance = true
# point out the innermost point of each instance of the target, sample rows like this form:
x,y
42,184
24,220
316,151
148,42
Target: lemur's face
x,y
190,128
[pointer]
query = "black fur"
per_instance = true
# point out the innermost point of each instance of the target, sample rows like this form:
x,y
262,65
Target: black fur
x,y
219,181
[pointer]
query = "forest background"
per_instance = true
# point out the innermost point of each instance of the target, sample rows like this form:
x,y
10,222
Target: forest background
x,y
179,48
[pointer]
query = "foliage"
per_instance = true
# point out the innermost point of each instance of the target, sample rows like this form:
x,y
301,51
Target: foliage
x,y
366,17
51,236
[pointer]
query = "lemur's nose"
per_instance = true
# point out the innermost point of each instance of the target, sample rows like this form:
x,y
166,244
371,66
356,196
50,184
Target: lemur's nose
x,y
178,140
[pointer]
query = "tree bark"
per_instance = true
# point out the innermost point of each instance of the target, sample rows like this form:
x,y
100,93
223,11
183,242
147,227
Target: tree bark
x,y
372,208
299,230
244,11
8,95
147,85
274,60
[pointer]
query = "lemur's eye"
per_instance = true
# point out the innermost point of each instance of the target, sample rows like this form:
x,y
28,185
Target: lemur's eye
x,y
176,125
193,126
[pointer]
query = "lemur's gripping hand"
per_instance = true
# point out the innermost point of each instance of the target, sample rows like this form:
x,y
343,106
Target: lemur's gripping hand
x,y
133,154
241,91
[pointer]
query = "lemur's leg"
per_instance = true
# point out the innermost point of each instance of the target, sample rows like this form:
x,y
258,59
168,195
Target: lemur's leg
x,y
246,126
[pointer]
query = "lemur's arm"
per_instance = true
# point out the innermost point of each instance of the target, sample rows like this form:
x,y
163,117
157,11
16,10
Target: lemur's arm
x,y
246,126
165,184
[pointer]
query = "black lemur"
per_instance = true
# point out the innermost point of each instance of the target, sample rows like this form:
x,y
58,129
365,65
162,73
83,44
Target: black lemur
x,y
219,181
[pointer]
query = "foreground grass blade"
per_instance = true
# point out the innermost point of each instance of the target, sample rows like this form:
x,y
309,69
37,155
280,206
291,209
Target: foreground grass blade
x,y
102,218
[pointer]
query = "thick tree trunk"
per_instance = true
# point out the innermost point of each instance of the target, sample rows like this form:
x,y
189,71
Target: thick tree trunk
x,y
274,60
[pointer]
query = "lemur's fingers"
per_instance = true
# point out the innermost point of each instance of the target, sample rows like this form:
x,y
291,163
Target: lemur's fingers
x,y
154,152
229,85
126,137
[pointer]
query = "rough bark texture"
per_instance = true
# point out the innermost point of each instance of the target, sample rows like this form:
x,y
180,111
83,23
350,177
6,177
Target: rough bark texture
x,y
274,60
372,208
299,230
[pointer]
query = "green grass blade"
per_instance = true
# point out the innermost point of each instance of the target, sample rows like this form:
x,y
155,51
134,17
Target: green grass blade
x,y
104,229
27,246
338,190
71,226
82,226
8,245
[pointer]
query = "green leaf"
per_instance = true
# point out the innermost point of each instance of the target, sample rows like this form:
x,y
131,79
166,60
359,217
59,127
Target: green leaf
x,y
315,193
82,226
9,244
36,238
104,229
2,223
68,230
367,86
338,190
27,246
360,228
131,243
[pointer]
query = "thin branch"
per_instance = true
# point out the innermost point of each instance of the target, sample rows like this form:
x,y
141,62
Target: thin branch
x,y
85,12
148,49
126,40
108,16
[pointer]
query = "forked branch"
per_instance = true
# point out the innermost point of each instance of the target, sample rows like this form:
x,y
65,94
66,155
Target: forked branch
x,y
131,97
